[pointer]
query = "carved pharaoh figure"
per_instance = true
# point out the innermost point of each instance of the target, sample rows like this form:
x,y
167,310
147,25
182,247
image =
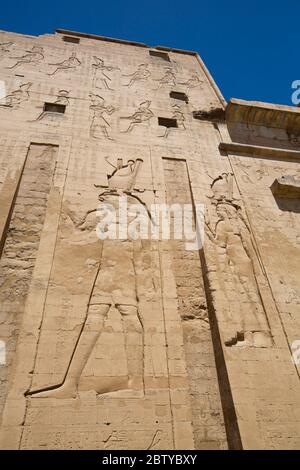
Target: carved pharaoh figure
x,y
239,264
100,126
102,71
114,288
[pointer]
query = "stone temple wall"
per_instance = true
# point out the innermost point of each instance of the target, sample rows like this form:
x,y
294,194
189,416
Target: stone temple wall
x,y
141,343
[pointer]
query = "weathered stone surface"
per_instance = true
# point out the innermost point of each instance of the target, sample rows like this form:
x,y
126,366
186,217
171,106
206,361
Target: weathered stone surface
x,y
137,343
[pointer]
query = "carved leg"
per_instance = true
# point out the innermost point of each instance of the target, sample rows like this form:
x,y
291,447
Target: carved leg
x,y
106,85
18,63
53,73
82,351
166,133
134,344
57,70
105,132
131,126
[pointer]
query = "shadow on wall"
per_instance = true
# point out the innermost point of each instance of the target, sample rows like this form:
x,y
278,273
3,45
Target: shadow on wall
x,y
288,205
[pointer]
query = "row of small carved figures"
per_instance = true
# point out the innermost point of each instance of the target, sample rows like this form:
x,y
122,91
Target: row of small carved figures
x,y
101,111
102,71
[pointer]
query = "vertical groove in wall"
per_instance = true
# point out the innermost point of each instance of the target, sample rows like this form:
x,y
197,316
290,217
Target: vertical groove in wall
x,y
20,248
207,414
230,418
234,441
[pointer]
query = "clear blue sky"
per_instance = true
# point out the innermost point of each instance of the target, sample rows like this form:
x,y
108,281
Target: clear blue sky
x,y
251,48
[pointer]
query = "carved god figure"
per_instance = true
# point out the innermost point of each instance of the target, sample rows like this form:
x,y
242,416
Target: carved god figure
x,y
239,266
114,287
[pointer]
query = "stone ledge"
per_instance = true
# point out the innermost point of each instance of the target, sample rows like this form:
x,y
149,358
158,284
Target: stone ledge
x,y
263,114
122,41
286,186
256,150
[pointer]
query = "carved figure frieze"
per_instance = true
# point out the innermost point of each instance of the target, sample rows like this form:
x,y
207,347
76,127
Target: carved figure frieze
x,y
18,96
102,74
168,79
34,56
193,82
100,126
141,74
259,173
141,115
180,121
71,63
62,97
5,47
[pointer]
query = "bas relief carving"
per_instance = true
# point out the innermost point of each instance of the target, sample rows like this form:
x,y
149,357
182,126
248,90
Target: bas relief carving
x,y
141,74
260,172
5,47
62,97
18,96
141,115
168,79
102,74
239,266
124,175
180,119
193,82
113,291
68,64
100,126
32,57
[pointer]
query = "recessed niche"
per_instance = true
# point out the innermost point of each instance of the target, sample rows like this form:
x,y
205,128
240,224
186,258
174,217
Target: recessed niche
x,y
54,108
71,39
167,122
160,55
177,95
